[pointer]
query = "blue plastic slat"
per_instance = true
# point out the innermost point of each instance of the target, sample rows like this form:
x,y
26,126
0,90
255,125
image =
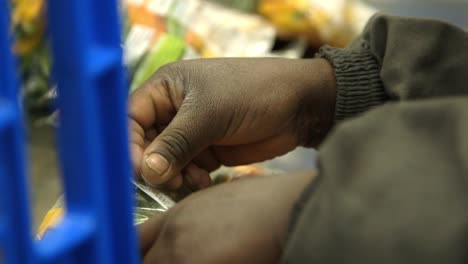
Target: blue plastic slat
x,y
3,227
85,38
14,213
7,114
104,59
59,245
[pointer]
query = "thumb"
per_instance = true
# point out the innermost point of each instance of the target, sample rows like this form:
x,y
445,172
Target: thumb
x,y
185,137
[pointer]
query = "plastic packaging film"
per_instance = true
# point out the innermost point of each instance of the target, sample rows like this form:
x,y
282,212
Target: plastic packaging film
x,y
150,201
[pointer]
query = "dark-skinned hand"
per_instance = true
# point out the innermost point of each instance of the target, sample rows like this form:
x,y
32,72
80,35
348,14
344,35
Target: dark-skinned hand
x,y
241,222
191,117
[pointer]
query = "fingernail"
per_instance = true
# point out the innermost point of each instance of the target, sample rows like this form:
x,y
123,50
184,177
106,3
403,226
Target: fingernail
x,y
157,163
147,182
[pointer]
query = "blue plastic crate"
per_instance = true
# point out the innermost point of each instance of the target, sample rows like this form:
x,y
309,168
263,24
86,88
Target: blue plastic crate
x,y
94,156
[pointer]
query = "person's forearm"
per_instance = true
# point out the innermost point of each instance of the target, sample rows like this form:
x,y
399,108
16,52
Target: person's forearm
x,y
399,59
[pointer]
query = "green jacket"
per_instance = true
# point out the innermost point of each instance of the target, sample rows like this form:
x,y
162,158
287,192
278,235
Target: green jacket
x,y
393,182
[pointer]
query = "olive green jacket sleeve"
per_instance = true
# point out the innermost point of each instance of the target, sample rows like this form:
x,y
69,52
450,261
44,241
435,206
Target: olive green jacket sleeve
x,y
399,59
393,181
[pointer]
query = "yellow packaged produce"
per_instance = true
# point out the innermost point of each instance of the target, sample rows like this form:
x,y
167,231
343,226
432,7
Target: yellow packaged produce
x,y
334,22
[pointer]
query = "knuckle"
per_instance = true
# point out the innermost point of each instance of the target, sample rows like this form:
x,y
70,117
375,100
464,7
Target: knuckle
x,y
171,73
170,68
176,75
177,144
178,70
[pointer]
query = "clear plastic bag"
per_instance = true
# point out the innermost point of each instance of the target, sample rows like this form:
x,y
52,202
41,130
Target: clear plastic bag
x,y
150,201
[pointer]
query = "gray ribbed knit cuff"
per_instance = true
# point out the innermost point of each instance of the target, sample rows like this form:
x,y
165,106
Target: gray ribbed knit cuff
x,y
357,74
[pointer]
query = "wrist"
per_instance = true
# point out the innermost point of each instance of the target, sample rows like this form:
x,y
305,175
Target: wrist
x,y
316,113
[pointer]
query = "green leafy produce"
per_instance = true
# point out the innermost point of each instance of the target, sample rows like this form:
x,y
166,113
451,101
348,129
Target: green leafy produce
x,y
168,49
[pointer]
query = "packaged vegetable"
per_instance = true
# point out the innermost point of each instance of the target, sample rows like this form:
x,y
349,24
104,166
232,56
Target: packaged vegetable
x,y
167,49
334,22
150,201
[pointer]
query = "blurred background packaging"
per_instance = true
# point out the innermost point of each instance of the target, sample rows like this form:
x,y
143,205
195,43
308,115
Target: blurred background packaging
x,y
157,32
